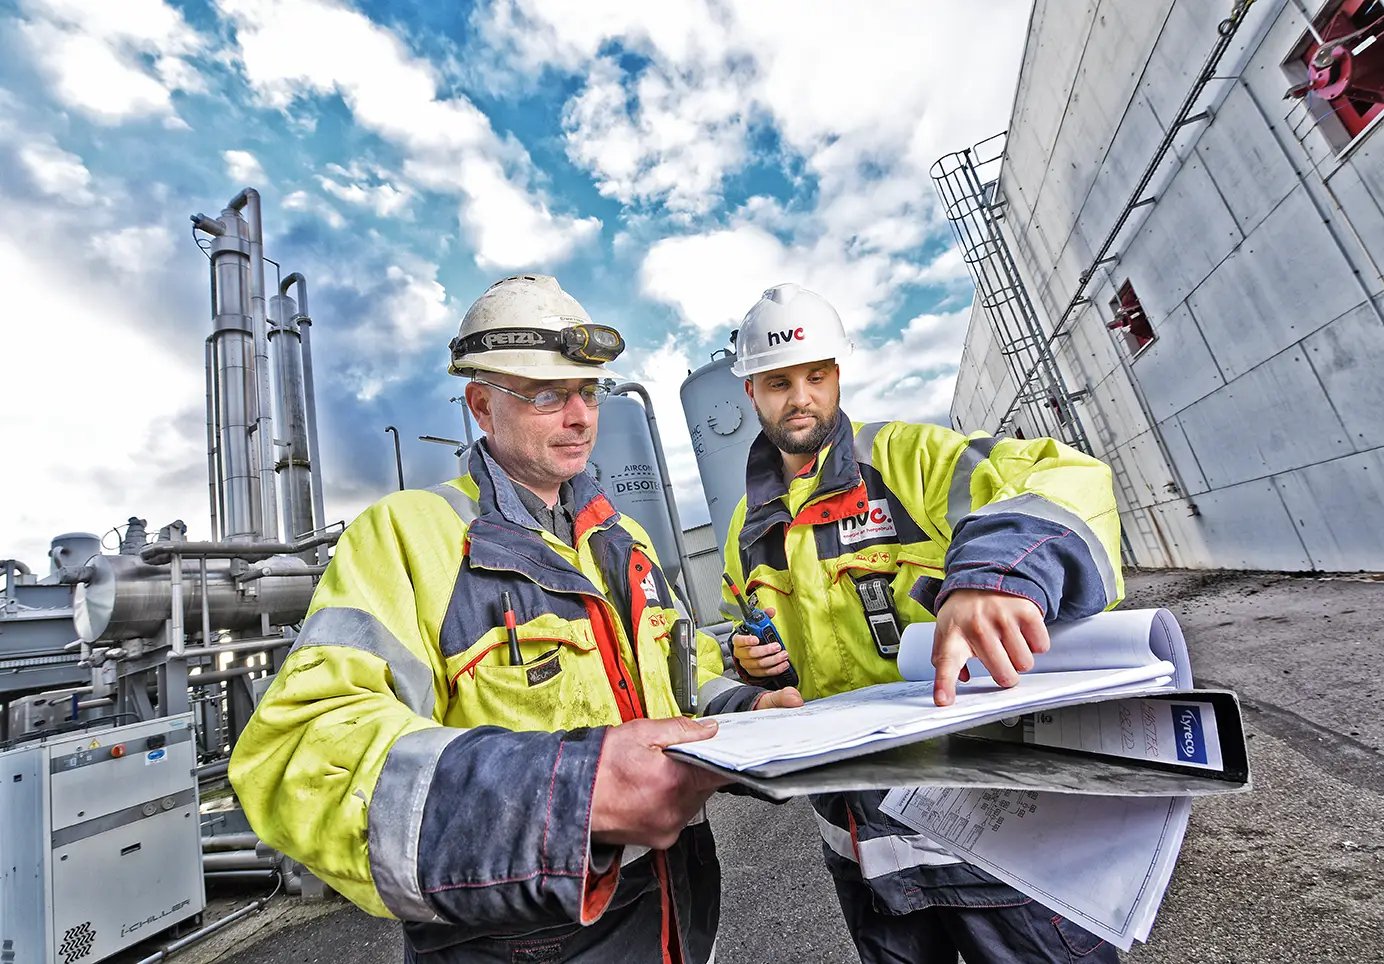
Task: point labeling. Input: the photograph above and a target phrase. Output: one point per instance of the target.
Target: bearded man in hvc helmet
(851, 531)
(468, 734)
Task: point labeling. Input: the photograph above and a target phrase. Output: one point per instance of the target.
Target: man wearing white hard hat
(468, 734)
(851, 531)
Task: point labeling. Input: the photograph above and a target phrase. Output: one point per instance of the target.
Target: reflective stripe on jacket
(402, 757)
(933, 511)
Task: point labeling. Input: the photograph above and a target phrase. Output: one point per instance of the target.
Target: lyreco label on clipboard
(1164, 731)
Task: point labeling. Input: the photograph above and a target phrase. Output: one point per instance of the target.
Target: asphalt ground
(1290, 872)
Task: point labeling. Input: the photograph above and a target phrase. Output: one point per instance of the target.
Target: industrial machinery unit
(174, 634)
(100, 844)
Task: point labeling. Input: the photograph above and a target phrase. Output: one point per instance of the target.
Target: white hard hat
(789, 325)
(528, 326)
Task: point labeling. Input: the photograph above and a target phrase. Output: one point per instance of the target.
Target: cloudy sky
(667, 161)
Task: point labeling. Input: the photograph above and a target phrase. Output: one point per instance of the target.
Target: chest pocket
(559, 685)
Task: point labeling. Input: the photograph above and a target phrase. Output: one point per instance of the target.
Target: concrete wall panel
(1240, 527)
(1183, 459)
(1177, 369)
(1244, 159)
(1339, 509)
(1189, 233)
(1274, 419)
(1346, 356)
(1285, 282)
(1355, 205)
(1125, 161)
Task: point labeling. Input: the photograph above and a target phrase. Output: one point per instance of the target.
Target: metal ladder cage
(968, 183)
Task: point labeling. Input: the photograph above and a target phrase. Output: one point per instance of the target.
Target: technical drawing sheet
(1103, 862)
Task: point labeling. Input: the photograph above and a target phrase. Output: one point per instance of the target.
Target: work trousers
(1019, 933)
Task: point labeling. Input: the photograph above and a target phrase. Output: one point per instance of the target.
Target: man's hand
(642, 795)
(759, 659)
(785, 698)
(1003, 632)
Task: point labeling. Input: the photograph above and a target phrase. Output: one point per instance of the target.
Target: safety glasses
(549, 400)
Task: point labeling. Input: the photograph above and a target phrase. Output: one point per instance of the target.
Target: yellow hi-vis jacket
(406, 760)
(912, 512)
(933, 510)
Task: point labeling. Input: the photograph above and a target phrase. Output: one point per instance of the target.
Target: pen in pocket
(515, 657)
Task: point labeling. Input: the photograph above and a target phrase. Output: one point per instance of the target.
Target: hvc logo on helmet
(785, 336)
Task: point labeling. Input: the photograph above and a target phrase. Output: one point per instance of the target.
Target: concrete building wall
(1247, 434)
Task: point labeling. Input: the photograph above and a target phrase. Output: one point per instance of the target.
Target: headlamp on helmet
(585, 343)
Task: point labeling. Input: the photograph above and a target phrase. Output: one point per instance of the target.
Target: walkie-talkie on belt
(682, 665)
(758, 624)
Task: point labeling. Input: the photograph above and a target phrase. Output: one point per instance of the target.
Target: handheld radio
(758, 624)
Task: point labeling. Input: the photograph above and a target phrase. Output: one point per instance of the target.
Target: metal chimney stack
(239, 423)
(294, 465)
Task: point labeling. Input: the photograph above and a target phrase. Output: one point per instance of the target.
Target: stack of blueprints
(1074, 786)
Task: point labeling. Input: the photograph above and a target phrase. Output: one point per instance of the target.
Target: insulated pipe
(634, 388)
(249, 200)
(237, 860)
(161, 553)
(228, 841)
(231, 409)
(234, 841)
(304, 320)
(209, 362)
(295, 468)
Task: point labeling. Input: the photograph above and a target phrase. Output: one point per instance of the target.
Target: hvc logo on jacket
(875, 522)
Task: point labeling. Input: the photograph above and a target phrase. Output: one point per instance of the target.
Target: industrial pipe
(237, 860)
(635, 388)
(294, 469)
(262, 645)
(228, 841)
(304, 322)
(162, 553)
(234, 841)
(398, 458)
(205, 932)
(214, 676)
(249, 200)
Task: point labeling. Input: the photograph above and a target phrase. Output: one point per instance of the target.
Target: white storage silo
(722, 423)
(626, 464)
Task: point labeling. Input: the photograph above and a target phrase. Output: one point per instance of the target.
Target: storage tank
(625, 463)
(722, 423)
(72, 549)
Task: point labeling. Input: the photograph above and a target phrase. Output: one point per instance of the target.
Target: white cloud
(860, 104)
(712, 279)
(244, 168)
(408, 312)
(57, 172)
(917, 368)
(662, 137)
(512, 229)
(303, 201)
(384, 199)
(96, 448)
(448, 143)
(113, 61)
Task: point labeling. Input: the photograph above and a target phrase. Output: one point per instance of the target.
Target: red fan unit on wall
(1346, 69)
